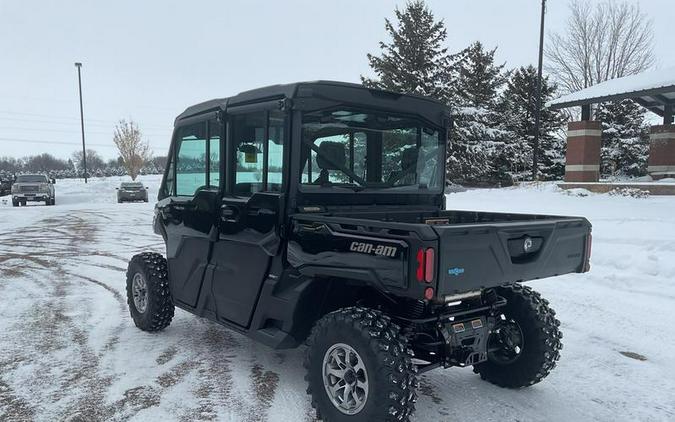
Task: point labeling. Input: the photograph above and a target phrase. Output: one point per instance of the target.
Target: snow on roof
(650, 89)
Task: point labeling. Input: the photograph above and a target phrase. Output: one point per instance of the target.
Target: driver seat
(331, 156)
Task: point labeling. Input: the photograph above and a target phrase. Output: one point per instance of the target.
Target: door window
(191, 163)
(258, 140)
(275, 151)
(215, 131)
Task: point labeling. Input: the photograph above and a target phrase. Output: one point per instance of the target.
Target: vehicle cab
(244, 171)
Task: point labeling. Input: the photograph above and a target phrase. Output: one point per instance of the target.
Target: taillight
(425, 265)
(429, 265)
(420, 265)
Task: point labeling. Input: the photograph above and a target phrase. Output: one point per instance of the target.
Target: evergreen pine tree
(414, 62)
(625, 143)
(519, 105)
(479, 149)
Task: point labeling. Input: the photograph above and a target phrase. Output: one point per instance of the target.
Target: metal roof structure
(653, 90)
(328, 91)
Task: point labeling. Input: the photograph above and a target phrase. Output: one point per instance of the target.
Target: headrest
(331, 155)
(409, 158)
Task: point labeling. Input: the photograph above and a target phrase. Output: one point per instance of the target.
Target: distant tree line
(134, 158)
(494, 107)
(73, 167)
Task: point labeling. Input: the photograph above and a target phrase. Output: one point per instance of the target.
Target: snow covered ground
(69, 350)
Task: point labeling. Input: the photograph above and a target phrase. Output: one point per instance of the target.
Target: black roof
(328, 92)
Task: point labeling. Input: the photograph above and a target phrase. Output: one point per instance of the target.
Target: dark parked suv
(315, 213)
(132, 191)
(5, 185)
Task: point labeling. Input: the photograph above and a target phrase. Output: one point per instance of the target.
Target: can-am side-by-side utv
(315, 213)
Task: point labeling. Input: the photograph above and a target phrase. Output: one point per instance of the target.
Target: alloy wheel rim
(140, 293)
(345, 378)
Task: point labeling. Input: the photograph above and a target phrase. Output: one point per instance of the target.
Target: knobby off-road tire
(383, 353)
(541, 343)
(158, 310)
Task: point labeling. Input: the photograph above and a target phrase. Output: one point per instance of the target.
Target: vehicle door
(189, 212)
(250, 210)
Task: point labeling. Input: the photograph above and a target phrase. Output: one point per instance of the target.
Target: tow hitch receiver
(467, 340)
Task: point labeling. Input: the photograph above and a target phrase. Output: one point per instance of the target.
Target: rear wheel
(15, 203)
(525, 344)
(148, 293)
(359, 368)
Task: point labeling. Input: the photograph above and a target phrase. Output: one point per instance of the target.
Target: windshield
(365, 150)
(29, 178)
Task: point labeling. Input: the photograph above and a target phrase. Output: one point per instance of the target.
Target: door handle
(229, 214)
(261, 212)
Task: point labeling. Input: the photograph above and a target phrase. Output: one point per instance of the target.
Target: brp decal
(372, 249)
(455, 271)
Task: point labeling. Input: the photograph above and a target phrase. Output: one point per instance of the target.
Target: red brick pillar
(582, 161)
(662, 151)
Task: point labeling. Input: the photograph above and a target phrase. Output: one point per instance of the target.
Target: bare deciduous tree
(605, 41)
(133, 150)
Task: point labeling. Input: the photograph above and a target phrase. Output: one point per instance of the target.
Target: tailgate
(475, 256)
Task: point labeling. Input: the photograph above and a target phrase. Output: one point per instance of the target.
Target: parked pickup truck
(33, 188)
(319, 216)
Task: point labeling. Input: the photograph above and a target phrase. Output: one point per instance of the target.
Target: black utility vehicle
(314, 212)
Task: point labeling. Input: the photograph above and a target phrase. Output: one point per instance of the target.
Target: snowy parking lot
(69, 350)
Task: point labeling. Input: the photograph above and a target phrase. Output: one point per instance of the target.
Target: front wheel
(148, 293)
(525, 344)
(359, 368)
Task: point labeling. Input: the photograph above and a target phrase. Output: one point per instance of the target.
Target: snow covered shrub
(578, 192)
(632, 192)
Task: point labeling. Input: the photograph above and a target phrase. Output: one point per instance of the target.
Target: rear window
(29, 178)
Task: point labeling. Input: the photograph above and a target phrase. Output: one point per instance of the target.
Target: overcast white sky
(148, 60)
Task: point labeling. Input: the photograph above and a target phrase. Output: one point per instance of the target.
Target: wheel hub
(506, 342)
(345, 378)
(140, 293)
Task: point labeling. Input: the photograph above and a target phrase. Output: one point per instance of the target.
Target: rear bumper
(128, 197)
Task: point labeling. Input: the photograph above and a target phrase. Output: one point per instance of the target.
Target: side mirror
(146, 188)
(53, 181)
(117, 188)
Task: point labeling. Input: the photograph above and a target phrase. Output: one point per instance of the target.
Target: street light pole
(84, 150)
(537, 114)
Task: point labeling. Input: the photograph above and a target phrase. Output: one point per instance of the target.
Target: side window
(258, 161)
(169, 185)
(215, 130)
(191, 160)
(275, 151)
